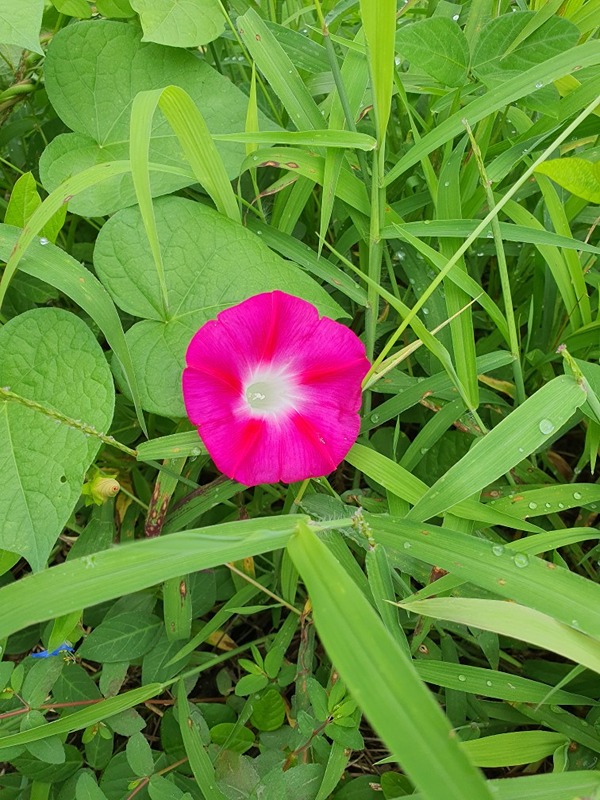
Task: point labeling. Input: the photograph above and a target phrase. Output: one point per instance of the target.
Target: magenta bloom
(274, 389)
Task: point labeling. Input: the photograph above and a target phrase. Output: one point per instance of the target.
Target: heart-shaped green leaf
(210, 263)
(188, 23)
(51, 357)
(93, 71)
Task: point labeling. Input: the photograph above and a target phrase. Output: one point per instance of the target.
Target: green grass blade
(404, 484)
(525, 579)
(516, 622)
(406, 398)
(536, 545)
(550, 786)
(517, 436)
(304, 256)
(450, 228)
(584, 55)
(379, 23)
(557, 213)
(82, 719)
(132, 567)
(55, 200)
(176, 445)
(312, 166)
(280, 71)
(381, 678)
(509, 749)
(499, 685)
(460, 277)
(198, 758)
(319, 138)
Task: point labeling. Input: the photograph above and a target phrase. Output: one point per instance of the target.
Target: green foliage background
(425, 621)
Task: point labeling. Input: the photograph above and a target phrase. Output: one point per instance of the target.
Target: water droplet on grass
(43, 240)
(532, 506)
(546, 426)
(497, 549)
(462, 678)
(521, 560)
(577, 495)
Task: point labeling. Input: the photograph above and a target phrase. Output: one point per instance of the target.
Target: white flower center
(270, 392)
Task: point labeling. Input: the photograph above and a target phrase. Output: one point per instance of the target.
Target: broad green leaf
(515, 621)
(437, 46)
(46, 774)
(203, 273)
(381, 678)
(117, 9)
(233, 737)
(509, 749)
(521, 433)
(49, 750)
(43, 461)
(24, 200)
(87, 788)
(73, 8)
(576, 175)
(122, 637)
(20, 23)
(268, 711)
(493, 56)
(110, 57)
(187, 23)
(132, 567)
(139, 755)
(59, 269)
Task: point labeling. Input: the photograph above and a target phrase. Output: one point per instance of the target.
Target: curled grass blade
(516, 622)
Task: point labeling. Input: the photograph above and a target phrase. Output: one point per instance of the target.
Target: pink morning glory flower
(274, 389)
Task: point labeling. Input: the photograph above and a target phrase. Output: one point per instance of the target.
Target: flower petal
(270, 327)
(258, 450)
(212, 384)
(332, 366)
